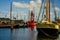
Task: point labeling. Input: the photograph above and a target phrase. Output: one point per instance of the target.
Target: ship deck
(53, 26)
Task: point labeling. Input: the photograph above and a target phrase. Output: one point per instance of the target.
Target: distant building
(4, 20)
(7, 21)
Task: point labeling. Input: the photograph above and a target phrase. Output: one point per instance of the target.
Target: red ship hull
(31, 24)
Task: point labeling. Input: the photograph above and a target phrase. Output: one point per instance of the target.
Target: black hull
(5, 26)
(17, 26)
(47, 32)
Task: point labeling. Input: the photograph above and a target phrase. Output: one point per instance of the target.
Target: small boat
(22, 24)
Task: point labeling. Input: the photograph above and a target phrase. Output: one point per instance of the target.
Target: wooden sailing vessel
(46, 28)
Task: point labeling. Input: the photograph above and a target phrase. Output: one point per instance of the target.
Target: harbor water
(21, 34)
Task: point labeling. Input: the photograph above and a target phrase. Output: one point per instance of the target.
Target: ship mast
(11, 21)
(10, 11)
(48, 10)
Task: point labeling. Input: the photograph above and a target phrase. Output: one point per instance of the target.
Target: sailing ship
(46, 28)
(16, 23)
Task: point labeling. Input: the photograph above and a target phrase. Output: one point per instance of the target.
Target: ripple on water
(20, 34)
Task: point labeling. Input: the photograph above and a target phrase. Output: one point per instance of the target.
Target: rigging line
(59, 12)
(40, 11)
(43, 12)
(42, 15)
(54, 9)
(17, 14)
(58, 15)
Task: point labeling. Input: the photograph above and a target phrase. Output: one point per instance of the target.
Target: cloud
(2, 15)
(39, 1)
(20, 5)
(34, 5)
(52, 16)
(28, 6)
(56, 8)
(12, 12)
(20, 15)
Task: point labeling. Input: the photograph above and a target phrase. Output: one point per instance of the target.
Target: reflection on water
(20, 34)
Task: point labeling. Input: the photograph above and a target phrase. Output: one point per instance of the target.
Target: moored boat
(46, 28)
(21, 24)
(31, 23)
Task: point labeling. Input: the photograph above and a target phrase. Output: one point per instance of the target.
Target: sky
(21, 8)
